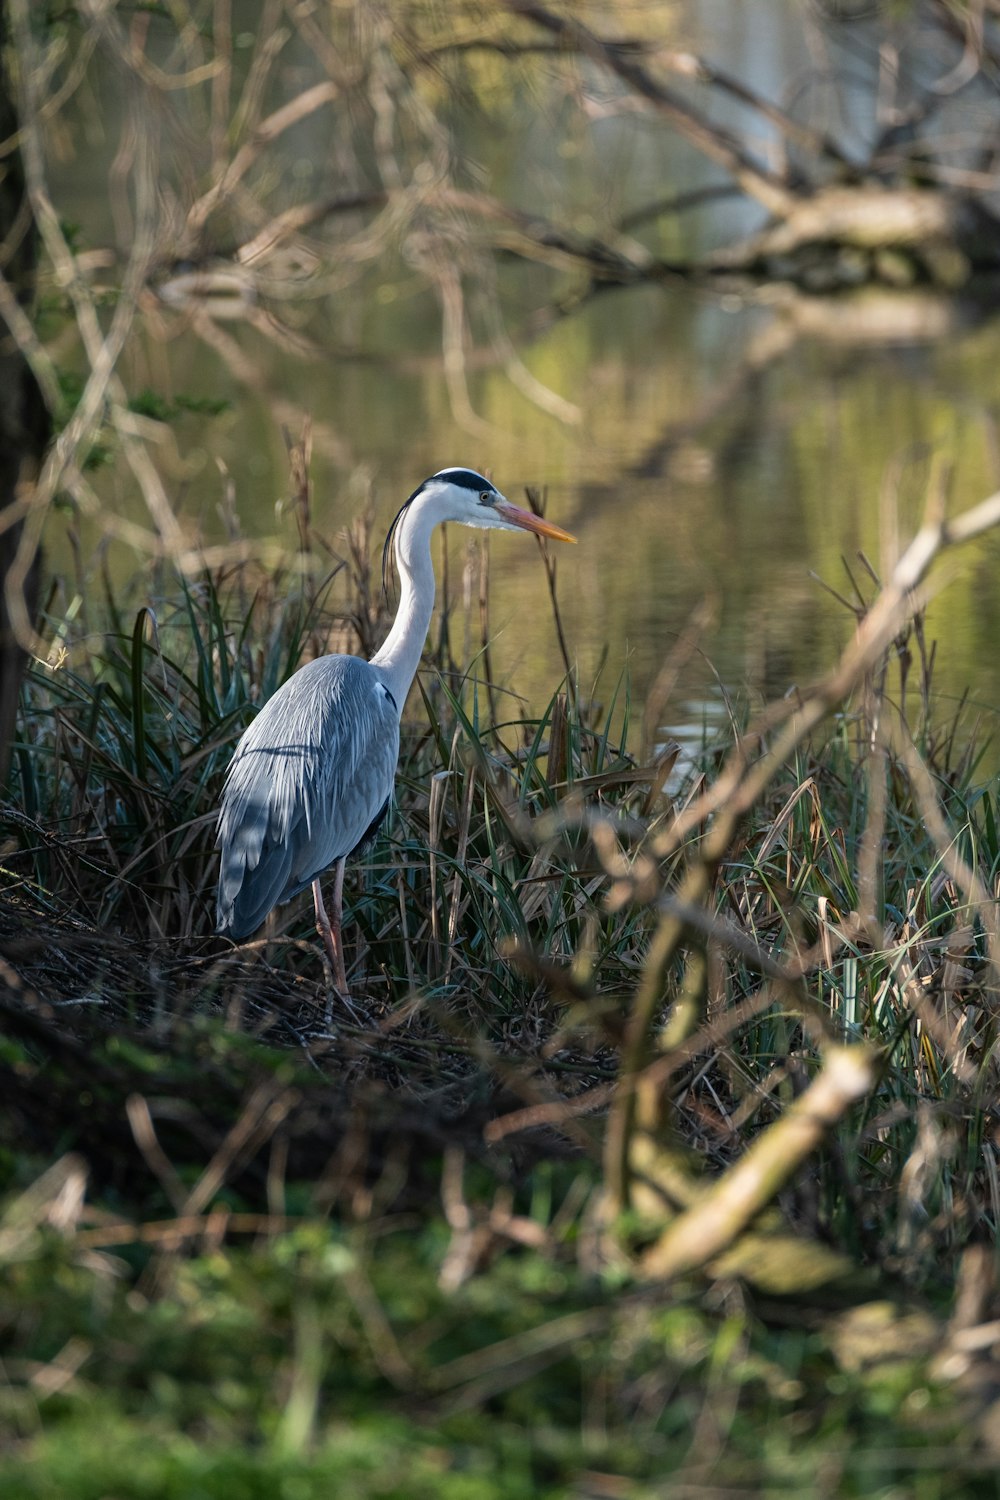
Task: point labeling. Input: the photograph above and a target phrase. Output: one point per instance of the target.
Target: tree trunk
(24, 420)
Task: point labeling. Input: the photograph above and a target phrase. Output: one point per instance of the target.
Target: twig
(102, 352)
(875, 632)
(171, 1233)
(979, 898)
(264, 1111)
(690, 65)
(267, 131)
(537, 500)
(144, 1132)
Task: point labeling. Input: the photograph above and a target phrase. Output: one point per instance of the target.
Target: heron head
(468, 497)
(463, 495)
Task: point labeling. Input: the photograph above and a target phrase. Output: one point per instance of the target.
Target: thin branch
(717, 144)
(978, 897)
(268, 130)
(875, 632)
(690, 65)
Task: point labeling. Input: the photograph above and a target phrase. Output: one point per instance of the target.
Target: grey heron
(312, 775)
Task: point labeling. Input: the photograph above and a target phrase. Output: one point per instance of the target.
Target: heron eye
(486, 497)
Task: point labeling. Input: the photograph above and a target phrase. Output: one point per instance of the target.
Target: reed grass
(125, 745)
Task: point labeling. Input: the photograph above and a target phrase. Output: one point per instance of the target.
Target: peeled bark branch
(713, 1223)
(895, 232)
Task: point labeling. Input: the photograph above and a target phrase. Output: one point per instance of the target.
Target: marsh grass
(126, 740)
(405, 1210)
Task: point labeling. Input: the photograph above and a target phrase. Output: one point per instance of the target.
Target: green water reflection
(826, 451)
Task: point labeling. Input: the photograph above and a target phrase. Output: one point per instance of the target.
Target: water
(715, 451)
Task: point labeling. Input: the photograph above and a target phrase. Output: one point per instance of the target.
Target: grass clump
(127, 737)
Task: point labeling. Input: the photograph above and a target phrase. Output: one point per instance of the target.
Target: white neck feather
(399, 656)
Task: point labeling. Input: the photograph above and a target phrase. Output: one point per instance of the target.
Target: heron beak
(528, 521)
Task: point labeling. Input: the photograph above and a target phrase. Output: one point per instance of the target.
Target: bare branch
(717, 144)
(690, 65)
(281, 120)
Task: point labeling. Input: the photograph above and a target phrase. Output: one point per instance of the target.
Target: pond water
(707, 447)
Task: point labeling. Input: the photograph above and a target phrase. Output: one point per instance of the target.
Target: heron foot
(343, 999)
(329, 928)
(333, 961)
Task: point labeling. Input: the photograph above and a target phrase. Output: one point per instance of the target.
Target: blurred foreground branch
(639, 1135)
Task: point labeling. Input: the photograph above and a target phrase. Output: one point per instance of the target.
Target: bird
(312, 776)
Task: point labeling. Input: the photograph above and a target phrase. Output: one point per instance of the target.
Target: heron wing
(310, 776)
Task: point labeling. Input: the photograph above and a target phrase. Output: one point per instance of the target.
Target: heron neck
(399, 656)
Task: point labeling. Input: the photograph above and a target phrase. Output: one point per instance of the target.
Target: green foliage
(146, 403)
(323, 1358)
(149, 403)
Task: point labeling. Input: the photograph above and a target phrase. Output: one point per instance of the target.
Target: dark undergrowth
(254, 1243)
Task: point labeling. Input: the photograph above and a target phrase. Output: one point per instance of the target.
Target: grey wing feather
(310, 776)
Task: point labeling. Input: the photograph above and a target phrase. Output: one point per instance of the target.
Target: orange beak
(528, 521)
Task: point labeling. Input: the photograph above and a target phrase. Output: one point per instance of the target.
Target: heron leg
(328, 925)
